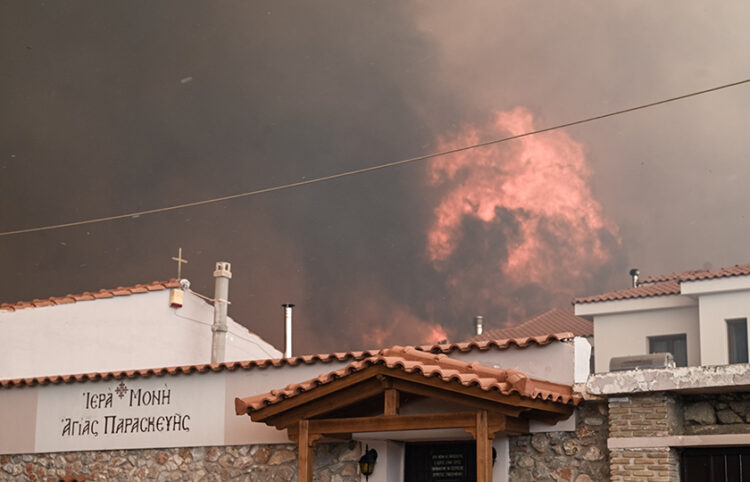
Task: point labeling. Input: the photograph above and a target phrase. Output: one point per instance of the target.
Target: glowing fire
(541, 182)
(379, 321)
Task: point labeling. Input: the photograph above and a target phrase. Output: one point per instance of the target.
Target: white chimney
(222, 273)
(478, 325)
(288, 329)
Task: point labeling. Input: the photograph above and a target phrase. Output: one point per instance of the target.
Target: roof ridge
(92, 295)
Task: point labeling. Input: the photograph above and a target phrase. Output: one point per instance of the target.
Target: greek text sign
(132, 413)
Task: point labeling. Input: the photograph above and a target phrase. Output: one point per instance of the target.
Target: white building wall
(556, 365)
(626, 333)
(120, 333)
(715, 310)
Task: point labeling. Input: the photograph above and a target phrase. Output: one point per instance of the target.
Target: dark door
(726, 464)
(440, 462)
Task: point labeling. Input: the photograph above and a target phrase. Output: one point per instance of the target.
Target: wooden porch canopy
(366, 396)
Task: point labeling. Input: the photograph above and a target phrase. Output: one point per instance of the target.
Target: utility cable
(378, 167)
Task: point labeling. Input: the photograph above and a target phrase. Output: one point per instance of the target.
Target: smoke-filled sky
(113, 107)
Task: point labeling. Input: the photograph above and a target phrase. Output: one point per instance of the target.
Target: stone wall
(579, 456)
(716, 413)
(253, 463)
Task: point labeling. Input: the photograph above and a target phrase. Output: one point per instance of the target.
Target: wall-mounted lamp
(367, 462)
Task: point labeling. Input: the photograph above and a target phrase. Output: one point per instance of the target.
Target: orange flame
(386, 322)
(542, 181)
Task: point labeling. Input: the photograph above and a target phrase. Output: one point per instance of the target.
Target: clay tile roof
(664, 288)
(499, 344)
(700, 275)
(556, 320)
(188, 369)
(89, 296)
(280, 362)
(429, 365)
(667, 284)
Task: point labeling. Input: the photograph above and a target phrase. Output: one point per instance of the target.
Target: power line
(281, 187)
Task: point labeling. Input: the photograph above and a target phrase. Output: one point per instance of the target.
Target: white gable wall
(715, 310)
(626, 333)
(120, 333)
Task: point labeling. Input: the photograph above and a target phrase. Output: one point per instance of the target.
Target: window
(674, 344)
(737, 336)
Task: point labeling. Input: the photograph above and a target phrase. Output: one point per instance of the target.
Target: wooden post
(391, 402)
(484, 448)
(304, 452)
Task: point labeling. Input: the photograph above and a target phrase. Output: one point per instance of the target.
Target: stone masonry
(716, 413)
(579, 456)
(646, 415)
(252, 463)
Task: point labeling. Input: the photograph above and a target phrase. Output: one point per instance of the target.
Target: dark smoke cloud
(113, 107)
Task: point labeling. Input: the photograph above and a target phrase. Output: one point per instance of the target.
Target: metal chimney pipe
(288, 329)
(478, 325)
(634, 274)
(222, 273)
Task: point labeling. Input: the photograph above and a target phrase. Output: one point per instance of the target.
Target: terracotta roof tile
(89, 296)
(667, 284)
(187, 369)
(279, 362)
(499, 344)
(664, 288)
(699, 275)
(430, 365)
(556, 320)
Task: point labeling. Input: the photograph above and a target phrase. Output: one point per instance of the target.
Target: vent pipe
(634, 274)
(478, 325)
(222, 273)
(288, 329)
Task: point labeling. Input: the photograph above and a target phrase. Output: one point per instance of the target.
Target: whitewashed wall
(120, 333)
(42, 417)
(715, 310)
(626, 333)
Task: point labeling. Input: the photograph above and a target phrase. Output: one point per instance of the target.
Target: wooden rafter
(378, 379)
(345, 397)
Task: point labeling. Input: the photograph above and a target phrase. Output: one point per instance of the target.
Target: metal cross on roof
(179, 263)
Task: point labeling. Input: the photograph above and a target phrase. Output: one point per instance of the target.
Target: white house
(698, 316)
(689, 423)
(125, 328)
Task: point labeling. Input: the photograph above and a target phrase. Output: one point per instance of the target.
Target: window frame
(669, 338)
(731, 356)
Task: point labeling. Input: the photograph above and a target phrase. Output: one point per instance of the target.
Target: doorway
(726, 464)
(440, 462)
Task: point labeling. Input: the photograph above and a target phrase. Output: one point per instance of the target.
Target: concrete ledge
(698, 379)
(723, 440)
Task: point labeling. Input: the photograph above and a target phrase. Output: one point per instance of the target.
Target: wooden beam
(387, 423)
(484, 448)
(329, 403)
(391, 404)
(450, 396)
(501, 424)
(305, 452)
(513, 399)
(319, 392)
(515, 425)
